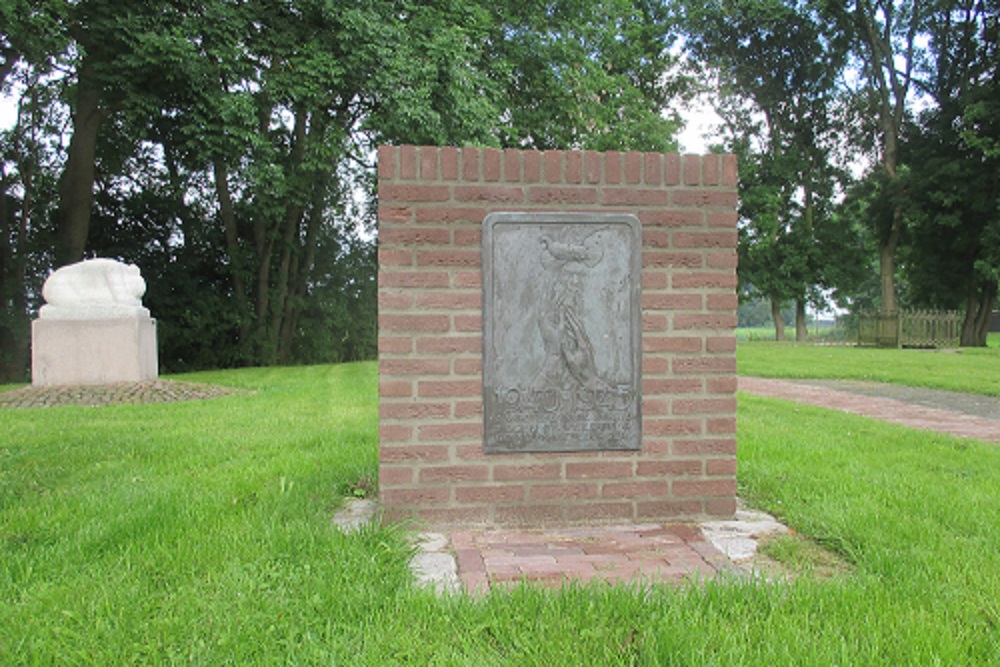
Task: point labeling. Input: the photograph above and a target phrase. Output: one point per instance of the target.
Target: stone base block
(66, 352)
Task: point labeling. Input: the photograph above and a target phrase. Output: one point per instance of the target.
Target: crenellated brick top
(432, 201)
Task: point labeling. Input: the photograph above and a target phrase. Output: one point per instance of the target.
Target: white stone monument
(93, 328)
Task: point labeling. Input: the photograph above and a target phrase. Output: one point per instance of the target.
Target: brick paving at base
(119, 393)
(648, 553)
(886, 409)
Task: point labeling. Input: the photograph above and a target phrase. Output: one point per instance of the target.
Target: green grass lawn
(972, 370)
(200, 533)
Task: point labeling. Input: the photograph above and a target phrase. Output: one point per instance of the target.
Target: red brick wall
(432, 202)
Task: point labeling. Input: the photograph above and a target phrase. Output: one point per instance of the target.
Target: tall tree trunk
(236, 265)
(979, 303)
(801, 331)
(779, 321)
(76, 186)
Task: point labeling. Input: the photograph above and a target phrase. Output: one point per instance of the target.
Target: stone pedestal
(93, 351)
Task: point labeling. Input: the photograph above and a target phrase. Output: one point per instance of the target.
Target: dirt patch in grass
(793, 555)
(120, 393)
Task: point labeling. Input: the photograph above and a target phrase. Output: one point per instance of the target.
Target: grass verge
(200, 533)
(970, 370)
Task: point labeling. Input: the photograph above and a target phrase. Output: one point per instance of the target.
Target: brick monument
(556, 338)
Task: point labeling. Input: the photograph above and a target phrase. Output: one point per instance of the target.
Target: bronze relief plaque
(562, 332)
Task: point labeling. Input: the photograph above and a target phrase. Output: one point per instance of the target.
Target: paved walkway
(943, 411)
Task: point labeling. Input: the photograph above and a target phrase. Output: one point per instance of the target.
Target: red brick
(388, 433)
(654, 323)
(710, 165)
(386, 162)
(413, 410)
(389, 257)
(653, 386)
(390, 322)
(462, 257)
(721, 425)
(721, 507)
(491, 164)
(711, 487)
(671, 426)
(634, 197)
(726, 219)
(670, 344)
(407, 162)
(449, 388)
(701, 406)
(671, 218)
(563, 491)
(613, 167)
(532, 166)
(705, 239)
(721, 385)
(703, 280)
(450, 431)
(635, 489)
(413, 236)
(449, 300)
(655, 364)
(445, 214)
(685, 365)
(527, 471)
(633, 167)
(468, 366)
(721, 302)
(395, 388)
(669, 468)
(449, 163)
(529, 515)
(489, 193)
(671, 301)
(672, 169)
(720, 466)
(730, 172)
(721, 344)
(389, 300)
(489, 494)
(414, 366)
(654, 280)
(574, 166)
(395, 476)
(449, 345)
(599, 470)
(512, 165)
(397, 278)
(600, 511)
(683, 321)
(418, 496)
(412, 453)
(722, 260)
(415, 192)
(470, 237)
(429, 163)
(710, 446)
(655, 447)
(395, 344)
(667, 509)
(592, 164)
(465, 409)
(553, 166)
(438, 474)
(467, 279)
(394, 213)
(654, 168)
(701, 198)
(660, 258)
(468, 323)
(470, 164)
(563, 195)
(692, 170)
(655, 238)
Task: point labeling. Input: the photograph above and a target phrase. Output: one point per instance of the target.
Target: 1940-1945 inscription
(561, 332)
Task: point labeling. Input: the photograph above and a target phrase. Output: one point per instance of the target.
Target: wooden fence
(911, 328)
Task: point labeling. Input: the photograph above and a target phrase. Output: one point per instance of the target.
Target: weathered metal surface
(562, 329)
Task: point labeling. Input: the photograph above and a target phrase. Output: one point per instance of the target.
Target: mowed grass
(971, 370)
(200, 533)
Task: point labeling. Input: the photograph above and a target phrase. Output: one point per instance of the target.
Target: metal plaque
(562, 332)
